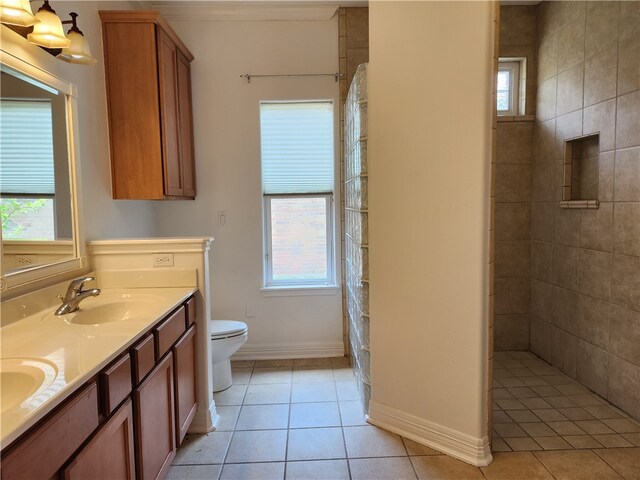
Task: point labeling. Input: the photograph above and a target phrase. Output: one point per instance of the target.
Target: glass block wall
(356, 229)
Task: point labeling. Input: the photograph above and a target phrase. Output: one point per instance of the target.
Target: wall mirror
(38, 201)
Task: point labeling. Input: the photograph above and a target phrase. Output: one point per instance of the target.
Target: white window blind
(26, 147)
(297, 147)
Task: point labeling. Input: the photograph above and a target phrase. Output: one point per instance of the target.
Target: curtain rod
(336, 75)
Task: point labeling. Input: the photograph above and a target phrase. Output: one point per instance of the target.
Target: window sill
(299, 291)
(516, 118)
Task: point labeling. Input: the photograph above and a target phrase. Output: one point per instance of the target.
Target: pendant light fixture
(16, 12)
(48, 31)
(78, 51)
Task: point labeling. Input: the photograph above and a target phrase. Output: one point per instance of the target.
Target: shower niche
(581, 172)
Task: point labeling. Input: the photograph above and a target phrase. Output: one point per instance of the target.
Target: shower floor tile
(553, 411)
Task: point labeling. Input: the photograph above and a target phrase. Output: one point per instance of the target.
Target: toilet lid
(227, 328)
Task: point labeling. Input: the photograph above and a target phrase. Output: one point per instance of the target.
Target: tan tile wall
(585, 264)
(512, 254)
(353, 41)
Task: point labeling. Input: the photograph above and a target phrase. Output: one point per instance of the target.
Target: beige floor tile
(500, 416)
(546, 391)
(316, 444)
(522, 416)
(522, 444)
(572, 389)
(576, 413)
(561, 401)
(370, 441)
(257, 446)
(582, 441)
(269, 393)
(278, 362)
(500, 393)
(231, 396)
(593, 427)
(603, 412)
(588, 400)
(253, 471)
(347, 391)
(351, 413)
(308, 415)
(550, 415)
(516, 466)
(270, 375)
(194, 472)
(313, 374)
(512, 382)
(538, 429)
(522, 392)
(227, 417)
(312, 362)
(622, 425)
(557, 379)
(534, 381)
(613, 441)
(577, 465)
(242, 363)
(199, 449)
(633, 438)
(510, 404)
(552, 443)
(566, 428)
(343, 374)
(443, 467)
(536, 403)
(263, 417)
(313, 392)
(382, 468)
(625, 461)
(241, 376)
(506, 430)
(318, 470)
(499, 445)
(415, 448)
(340, 362)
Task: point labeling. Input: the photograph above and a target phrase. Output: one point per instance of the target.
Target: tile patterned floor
(302, 420)
(536, 407)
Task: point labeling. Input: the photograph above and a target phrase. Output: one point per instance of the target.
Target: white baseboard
(475, 451)
(275, 351)
(205, 419)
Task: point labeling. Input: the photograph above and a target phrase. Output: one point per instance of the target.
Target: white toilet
(227, 336)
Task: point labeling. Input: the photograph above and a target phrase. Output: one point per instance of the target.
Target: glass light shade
(17, 12)
(48, 32)
(78, 51)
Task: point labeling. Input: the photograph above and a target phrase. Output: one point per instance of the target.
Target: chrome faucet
(75, 294)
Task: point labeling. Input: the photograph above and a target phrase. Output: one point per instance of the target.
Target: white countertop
(77, 351)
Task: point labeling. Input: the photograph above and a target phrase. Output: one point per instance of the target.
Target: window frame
(512, 66)
(268, 280)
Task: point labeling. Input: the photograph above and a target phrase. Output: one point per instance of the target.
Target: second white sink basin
(21, 378)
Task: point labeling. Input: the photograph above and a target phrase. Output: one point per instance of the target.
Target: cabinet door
(169, 114)
(186, 126)
(155, 421)
(110, 452)
(184, 354)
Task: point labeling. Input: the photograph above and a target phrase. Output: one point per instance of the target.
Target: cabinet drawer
(115, 383)
(144, 358)
(191, 311)
(169, 331)
(45, 450)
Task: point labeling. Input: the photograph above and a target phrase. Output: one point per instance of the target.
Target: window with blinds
(27, 181)
(297, 147)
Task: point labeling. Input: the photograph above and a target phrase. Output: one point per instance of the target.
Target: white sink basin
(22, 378)
(111, 308)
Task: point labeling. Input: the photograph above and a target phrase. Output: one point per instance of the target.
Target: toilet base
(221, 372)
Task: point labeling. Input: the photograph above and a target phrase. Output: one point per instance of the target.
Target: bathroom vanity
(118, 391)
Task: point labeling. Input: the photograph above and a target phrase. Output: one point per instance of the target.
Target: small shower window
(510, 86)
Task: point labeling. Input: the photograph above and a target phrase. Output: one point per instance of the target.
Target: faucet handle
(77, 283)
(60, 297)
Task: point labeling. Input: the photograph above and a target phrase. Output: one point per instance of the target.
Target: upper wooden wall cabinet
(148, 78)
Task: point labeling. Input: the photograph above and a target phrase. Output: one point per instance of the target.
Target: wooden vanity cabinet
(154, 411)
(186, 393)
(148, 78)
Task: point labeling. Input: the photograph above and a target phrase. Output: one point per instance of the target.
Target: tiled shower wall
(353, 40)
(512, 248)
(585, 264)
(357, 230)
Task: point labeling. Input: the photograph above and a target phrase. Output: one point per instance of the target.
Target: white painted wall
(430, 83)
(102, 216)
(227, 147)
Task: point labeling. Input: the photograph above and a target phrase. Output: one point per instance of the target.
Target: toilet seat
(226, 329)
